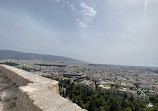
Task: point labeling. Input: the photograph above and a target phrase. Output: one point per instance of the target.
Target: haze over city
(105, 32)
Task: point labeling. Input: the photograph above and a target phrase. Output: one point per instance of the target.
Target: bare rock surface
(8, 94)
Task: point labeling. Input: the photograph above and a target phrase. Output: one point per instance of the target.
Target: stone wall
(36, 93)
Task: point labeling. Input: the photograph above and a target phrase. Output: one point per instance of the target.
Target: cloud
(88, 14)
(84, 13)
(87, 10)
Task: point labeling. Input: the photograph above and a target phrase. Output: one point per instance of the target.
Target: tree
(92, 106)
(93, 100)
(128, 109)
(79, 102)
(131, 98)
(115, 105)
(123, 104)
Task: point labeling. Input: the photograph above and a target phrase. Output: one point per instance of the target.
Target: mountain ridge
(17, 55)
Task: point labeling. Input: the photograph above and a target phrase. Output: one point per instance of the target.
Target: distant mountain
(9, 54)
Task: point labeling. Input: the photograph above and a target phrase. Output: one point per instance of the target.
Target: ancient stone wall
(36, 93)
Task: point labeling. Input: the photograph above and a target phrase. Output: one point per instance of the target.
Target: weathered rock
(8, 94)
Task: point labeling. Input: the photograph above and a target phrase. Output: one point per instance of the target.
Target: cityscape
(78, 55)
(136, 81)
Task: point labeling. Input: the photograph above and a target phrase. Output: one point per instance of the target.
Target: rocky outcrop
(36, 93)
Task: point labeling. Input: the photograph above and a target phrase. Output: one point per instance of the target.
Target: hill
(9, 54)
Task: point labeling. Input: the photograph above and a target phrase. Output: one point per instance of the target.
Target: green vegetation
(51, 65)
(154, 101)
(28, 69)
(93, 100)
(10, 63)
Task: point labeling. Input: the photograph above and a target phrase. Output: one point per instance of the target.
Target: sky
(123, 32)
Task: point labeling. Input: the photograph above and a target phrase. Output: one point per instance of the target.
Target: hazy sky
(96, 31)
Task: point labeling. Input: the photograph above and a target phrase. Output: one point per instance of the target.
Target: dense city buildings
(123, 80)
